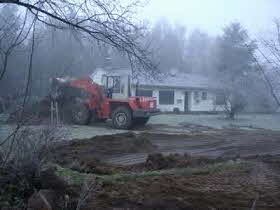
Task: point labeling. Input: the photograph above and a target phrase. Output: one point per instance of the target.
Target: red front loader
(92, 102)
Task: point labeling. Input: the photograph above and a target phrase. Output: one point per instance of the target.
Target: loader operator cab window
(112, 84)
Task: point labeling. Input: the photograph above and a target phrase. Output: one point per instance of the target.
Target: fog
(139, 104)
(223, 41)
(213, 15)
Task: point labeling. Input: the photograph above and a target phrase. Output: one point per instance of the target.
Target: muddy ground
(202, 141)
(204, 169)
(184, 166)
(233, 186)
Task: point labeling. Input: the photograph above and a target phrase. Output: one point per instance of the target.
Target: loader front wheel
(122, 118)
(80, 114)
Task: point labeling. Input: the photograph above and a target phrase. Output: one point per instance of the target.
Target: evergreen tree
(235, 64)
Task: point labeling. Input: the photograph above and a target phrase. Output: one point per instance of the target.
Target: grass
(72, 177)
(209, 169)
(76, 178)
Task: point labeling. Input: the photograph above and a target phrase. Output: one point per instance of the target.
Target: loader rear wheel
(80, 114)
(122, 118)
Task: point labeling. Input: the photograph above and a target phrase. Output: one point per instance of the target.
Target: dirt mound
(40, 113)
(158, 161)
(86, 155)
(33, 114)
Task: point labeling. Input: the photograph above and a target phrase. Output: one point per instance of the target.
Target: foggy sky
(212, 15)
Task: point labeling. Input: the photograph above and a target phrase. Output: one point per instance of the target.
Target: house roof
(182, 80)
(174, 80)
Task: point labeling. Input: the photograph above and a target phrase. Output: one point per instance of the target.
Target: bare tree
(234, 102)
(23, 160)
(11, 36)
(105, 21)
(270, 54)
(90, 187)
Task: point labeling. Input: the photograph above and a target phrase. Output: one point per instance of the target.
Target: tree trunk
(232, 115)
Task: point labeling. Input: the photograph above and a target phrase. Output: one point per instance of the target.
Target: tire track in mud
(225, 142)
(170, 144)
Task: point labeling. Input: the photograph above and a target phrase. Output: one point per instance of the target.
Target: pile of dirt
(39, 113)
(86, 155)
(158, 161)
(33, 114)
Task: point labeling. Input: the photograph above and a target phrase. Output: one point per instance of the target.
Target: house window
(166, 97)
(147, 93)
(204, 96)
(220, 99)
(179, 101)
(196, 97)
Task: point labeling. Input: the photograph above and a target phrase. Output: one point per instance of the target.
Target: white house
(177, 91)
(184, 92)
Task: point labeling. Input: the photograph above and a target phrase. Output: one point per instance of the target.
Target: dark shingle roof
(182, 80)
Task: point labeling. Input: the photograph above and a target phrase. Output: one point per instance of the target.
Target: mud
(33, 114)
(88, 155)
(158, 169)
(228, 143)
(232, 185)
(217, 169)
(131, 148)
(40, 113)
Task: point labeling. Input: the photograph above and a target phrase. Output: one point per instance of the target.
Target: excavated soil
(133, 149)
(155, 171)
(214, 143)
(33, 114)
(204, 169)
(253, 183)
(88, 155)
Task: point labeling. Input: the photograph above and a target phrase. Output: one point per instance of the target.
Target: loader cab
(116, 86)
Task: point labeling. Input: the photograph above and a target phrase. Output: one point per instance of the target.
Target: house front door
(186, 101)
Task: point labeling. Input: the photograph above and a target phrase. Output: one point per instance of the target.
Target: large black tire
(122, 118)
(80, 114)
(140, 121)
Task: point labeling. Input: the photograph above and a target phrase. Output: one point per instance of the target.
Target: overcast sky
(212, 15)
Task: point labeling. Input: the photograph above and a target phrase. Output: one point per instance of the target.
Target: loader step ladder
(54, 113)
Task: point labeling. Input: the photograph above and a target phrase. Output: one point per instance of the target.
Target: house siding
(207, 105)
